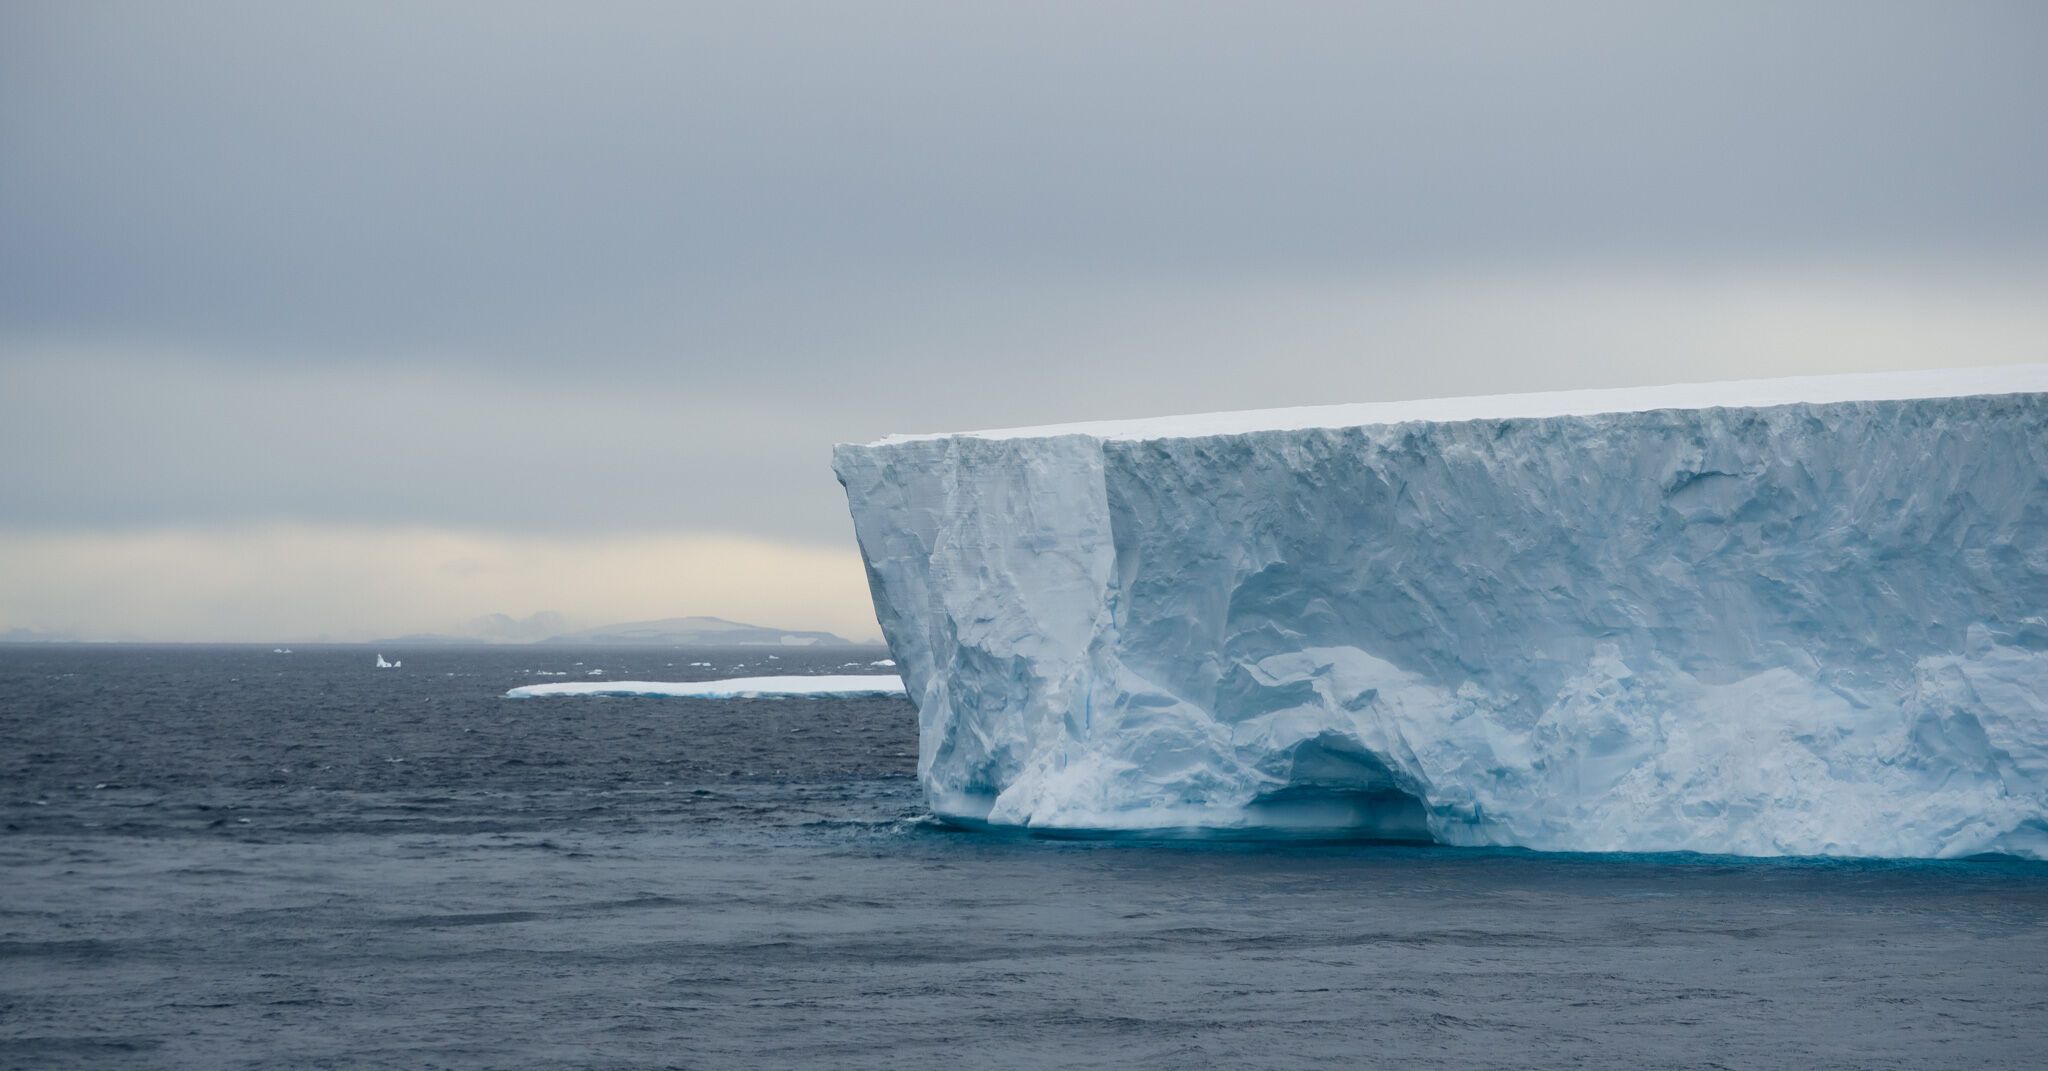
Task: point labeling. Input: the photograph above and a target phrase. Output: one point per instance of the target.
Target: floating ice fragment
(732, 688)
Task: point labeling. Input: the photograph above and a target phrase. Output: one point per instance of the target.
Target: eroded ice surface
(732, 688)
(1796, 616)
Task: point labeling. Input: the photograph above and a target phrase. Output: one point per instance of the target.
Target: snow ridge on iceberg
(1792, 617)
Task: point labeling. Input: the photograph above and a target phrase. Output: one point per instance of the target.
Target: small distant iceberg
(287, 650)
(381, 664)
(821, 686)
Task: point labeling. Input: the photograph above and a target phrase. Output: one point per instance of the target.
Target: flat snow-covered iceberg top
(732, 688)
(1728, 394)
(1791, 616)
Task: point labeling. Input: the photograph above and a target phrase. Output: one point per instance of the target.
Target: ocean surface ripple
(222, 857)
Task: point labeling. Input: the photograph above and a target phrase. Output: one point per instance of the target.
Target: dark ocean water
(224, 857)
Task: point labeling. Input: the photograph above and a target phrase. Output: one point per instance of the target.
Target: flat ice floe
(824, 685)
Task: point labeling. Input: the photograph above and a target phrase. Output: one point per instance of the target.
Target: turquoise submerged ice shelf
(1791, 617)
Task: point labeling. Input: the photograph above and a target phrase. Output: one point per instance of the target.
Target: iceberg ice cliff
(1782, 617)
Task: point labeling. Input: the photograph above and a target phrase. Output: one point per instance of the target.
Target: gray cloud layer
(353, 179)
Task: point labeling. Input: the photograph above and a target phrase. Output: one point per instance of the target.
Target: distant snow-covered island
(665, 632)
(35, 635)
(696, 632)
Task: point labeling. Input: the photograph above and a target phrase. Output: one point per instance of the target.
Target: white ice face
(1809, 627)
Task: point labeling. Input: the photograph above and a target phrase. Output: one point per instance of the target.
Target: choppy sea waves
(225, 857)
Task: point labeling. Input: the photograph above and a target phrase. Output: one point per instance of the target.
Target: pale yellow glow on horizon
(266, 583)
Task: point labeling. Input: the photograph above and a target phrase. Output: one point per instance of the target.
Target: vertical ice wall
(1814, 627)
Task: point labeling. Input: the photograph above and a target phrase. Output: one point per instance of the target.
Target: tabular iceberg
(1780, 617)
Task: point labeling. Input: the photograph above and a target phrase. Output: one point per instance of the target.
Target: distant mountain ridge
(696, 632)
(504, 628)
(546, 627)
(35, 635)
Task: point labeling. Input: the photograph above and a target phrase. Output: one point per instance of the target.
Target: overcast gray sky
(356, 319)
